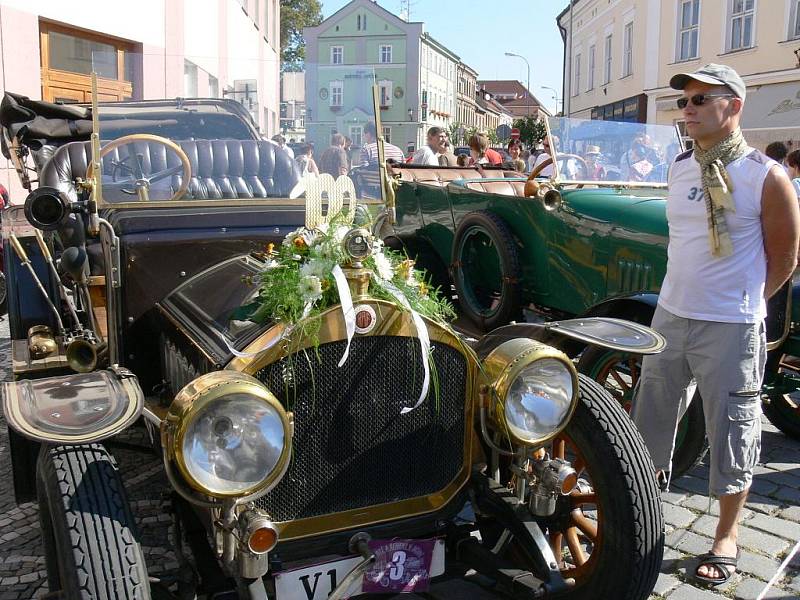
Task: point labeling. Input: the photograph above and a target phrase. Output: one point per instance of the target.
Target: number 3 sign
(333, 191)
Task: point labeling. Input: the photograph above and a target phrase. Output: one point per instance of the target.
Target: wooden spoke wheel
(619, 373)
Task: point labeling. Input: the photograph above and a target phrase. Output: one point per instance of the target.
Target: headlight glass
(539, 400)
(233, 444)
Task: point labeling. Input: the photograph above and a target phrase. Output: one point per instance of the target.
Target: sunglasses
(700, 99)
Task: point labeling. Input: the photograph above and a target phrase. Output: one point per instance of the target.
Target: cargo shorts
(726, 360)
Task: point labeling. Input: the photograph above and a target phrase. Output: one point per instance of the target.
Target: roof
(566, 9)
(372, 5)
(522, 97)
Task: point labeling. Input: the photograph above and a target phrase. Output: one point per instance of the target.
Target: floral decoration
(298, 282)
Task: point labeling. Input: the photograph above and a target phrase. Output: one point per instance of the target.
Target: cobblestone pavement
(769, 530)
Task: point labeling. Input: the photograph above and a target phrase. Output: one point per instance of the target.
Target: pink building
(143, 49)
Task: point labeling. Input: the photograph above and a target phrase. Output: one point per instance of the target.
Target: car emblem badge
(365, 318)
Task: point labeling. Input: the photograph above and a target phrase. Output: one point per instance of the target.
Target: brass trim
(392, 321)
(372, 515)
(506, 362)
(193, 398)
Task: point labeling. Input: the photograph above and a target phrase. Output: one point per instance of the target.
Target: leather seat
(220, 168)
(441, 176)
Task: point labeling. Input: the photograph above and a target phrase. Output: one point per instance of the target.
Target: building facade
(415, 73)
(622, 54)
(515, 98)
(147, 49)
(466, 99)
(293, 106)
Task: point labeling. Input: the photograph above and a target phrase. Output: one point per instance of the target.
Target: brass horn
(84, 355)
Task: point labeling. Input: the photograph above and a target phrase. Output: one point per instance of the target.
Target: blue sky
(481, 31)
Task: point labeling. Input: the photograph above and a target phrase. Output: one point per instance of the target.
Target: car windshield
(612, 151)
(200, 129)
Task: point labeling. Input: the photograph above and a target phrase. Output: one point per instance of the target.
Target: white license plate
(318, 581)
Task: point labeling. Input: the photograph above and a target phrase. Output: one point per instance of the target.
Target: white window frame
(794, 21)
(693, 28)
(741, 16)
(357, 135)
(627, 49)
(385, 54)
(607, 58)
(576, 89)
(387, 134)
(337, 50)
(590, 69)
(385, 92)
(337, 93)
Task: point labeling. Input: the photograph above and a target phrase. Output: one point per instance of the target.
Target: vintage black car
(350, 443)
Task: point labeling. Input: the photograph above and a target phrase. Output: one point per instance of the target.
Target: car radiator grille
(352, 447)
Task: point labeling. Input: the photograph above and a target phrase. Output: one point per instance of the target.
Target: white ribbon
(347, 309)
(269, 345)
(424, 341)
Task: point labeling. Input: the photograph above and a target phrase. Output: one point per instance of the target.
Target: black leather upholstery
(220, 168)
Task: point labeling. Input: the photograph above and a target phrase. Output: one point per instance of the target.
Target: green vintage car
(586, 236)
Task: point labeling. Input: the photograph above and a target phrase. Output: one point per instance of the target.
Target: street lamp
(555, 94)
(528, 89)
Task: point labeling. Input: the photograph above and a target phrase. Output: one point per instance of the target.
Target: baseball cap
(713, 74)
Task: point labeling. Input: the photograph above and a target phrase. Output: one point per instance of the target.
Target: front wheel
(92, 550)
(619, 373)
(783, 411)
(607, 534)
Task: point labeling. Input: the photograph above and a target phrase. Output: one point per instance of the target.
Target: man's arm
(780, 222)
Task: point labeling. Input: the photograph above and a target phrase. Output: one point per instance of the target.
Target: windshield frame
(557, 178)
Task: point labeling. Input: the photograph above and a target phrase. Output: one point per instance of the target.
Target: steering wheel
(532, 187)
(135, 182)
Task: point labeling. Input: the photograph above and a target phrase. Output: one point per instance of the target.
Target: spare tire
(486, 270)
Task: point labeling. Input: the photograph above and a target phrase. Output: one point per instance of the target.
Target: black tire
(486, 270)
(691, 444)
(783, 415)
(625, 560)
(92, 550)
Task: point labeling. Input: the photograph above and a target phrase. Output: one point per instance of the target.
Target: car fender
(638, 307)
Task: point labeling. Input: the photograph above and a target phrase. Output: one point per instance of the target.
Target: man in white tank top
(734, 228)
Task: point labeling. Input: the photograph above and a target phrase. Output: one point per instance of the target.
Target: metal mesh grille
(352, 447)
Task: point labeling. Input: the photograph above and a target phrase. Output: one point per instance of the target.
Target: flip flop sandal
(725, 564)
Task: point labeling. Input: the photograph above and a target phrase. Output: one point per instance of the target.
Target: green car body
(598, 244)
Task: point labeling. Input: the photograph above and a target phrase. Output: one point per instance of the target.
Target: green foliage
(531, 130)
(296, 14)
(298, 283)
(453, 130)
(492, 135)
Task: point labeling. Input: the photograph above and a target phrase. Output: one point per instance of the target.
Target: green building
(416, 76)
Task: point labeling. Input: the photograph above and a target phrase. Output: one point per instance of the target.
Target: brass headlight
(536, 387)
(228, 435)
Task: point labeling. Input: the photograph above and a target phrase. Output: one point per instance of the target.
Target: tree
(454, 130)
(531, 130)
(296, 14)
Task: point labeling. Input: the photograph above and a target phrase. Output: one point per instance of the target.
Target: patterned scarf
(718, 188)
